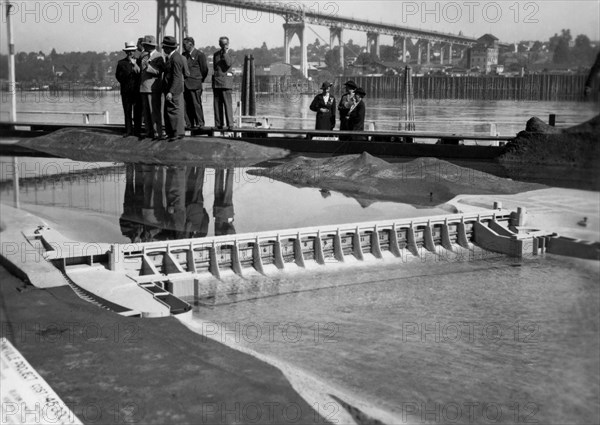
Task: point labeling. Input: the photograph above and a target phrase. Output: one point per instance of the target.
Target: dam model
(162, 278)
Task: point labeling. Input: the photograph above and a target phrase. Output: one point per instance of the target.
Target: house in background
(278, 69)
(484, 55)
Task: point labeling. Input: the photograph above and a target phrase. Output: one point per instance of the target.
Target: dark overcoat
(325, 120)
(356, 120)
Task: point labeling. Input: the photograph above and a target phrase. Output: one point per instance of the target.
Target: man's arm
(156, 66)
(228, 58)
(119, 73)
(314, 106)
(203, 65)
(332, 108)
(178, 73)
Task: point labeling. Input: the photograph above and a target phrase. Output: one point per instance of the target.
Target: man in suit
(222, 84)
(175, 73)
(138, 110)
(127, 75)
(192, 94)
(152, 65)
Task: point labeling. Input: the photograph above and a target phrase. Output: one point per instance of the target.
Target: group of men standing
(351, 108)
(150, 79)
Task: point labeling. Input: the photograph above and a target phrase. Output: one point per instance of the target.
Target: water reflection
(223, 205)
(164, 202)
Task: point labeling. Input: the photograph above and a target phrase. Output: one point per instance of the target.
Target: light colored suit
(152, 66)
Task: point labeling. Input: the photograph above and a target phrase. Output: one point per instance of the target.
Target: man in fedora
(324, 105)
(345, 105)
(192, 94)
(175, 73)
(138, 111)
(152, 65)
(127, 75)
(222, 84)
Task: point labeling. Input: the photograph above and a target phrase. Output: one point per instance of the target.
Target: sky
(105, 25)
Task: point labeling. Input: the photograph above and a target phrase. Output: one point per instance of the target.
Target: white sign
(25, 397)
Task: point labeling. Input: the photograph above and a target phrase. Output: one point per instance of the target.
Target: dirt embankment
(541, 144)
(424, 182)
(97, 145)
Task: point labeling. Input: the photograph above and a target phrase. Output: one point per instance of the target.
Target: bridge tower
(294, 25)
(336, 32)
(373, 42)
(175, 10)
(397, 40)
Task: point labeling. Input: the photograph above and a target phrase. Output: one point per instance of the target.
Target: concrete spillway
(164, 274)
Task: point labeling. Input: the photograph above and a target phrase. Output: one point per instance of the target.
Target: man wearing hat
(355, 120)
(128, 76)
(345, 105)
(175, 73)
(192, 94)
(222, 83)
(138, 111)
(152, 65)
(324, 105)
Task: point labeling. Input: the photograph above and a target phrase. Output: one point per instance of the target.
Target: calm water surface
(141, 197)
(431, 115)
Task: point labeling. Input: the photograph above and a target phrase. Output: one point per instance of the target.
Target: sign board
(25, 397)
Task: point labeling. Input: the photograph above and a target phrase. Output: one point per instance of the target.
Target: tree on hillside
(559, 46)
(389, 53)
(561, 52)
(365, 59)
(101, 72)
(583, 52)
(91, 72)
(332, 60)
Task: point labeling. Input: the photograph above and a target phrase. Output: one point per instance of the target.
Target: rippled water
(480, 342)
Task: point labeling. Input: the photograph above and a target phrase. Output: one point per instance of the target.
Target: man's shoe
(175, 138)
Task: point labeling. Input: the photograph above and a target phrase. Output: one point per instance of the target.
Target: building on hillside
(277, 69)
(484, 54)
